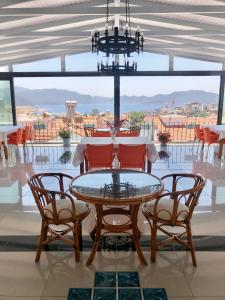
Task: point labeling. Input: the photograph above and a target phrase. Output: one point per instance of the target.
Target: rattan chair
(57, 207)
(174, 208)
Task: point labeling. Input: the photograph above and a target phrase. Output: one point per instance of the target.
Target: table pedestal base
(131, 225)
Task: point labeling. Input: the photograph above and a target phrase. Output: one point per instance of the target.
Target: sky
(136, 86)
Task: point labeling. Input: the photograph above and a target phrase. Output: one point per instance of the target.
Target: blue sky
(103, 86)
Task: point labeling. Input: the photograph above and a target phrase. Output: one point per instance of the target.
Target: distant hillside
(179, 98)
(52, 96)
(59, 96)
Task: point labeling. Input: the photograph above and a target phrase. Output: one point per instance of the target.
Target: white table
(220, 129)
(78, 158)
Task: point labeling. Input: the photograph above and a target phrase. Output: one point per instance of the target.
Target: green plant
(136, 117)
(64, 133)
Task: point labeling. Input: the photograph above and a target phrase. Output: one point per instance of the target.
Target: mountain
(178, 98)
(32, 97)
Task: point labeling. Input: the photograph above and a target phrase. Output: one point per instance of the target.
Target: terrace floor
(21, 278)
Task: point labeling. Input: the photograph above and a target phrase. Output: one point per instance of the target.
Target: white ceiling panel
(35, 29)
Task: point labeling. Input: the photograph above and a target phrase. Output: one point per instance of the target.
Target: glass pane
(45, 65)
(145, 61)
(82, 62)
(4, 69)
(170, 104)
(151, 61)
(5, 103)
(77, 102)
(187, 64)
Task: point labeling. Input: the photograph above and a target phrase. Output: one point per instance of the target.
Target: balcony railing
(47, 131)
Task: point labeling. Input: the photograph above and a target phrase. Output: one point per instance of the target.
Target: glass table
(116, 192)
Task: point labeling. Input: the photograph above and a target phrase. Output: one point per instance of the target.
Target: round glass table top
(116, 184)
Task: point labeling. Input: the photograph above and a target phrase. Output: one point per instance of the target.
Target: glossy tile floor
(21, 278)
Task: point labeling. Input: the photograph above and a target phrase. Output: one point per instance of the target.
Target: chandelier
(118, 41)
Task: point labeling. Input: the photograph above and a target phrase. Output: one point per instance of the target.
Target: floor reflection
(15, 195)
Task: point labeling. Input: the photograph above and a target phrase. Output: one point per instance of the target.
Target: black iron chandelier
(118, 41)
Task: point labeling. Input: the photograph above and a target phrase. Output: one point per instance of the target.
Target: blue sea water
(87, 108)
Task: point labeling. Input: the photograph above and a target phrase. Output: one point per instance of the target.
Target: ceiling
(37, 29)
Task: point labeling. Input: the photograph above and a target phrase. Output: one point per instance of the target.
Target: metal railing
(47, 130)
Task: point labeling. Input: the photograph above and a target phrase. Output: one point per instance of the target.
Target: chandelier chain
(107, 12)
(128, 8)
(126, 12)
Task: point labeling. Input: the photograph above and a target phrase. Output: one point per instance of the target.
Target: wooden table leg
(98, 230)
(220, 151)
(149, 167)
(136, 233)
(82, 168)
(5, 149)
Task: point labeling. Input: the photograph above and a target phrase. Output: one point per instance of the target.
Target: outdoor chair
(173, 210)
(15, 138)
(127, 133)
(61, 213)
(27, 135)
(210, 137)
(99, 156)
(199, 136)
(132, 156)
(99, 133)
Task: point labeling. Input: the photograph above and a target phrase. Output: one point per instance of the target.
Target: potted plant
(164, 137)
(65, 134)
(114, 128)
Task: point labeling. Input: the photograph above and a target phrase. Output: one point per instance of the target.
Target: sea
(60, 109)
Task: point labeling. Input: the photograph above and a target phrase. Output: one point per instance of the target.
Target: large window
(5, 103)
(187, 64)
(145, 61)
(151, 61)
(174, 104)
(45, 65)
(4, 69)
(51, 103)
(82, 62)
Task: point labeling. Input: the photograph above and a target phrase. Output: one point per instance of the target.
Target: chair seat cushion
(64, 208)
(165, 209)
